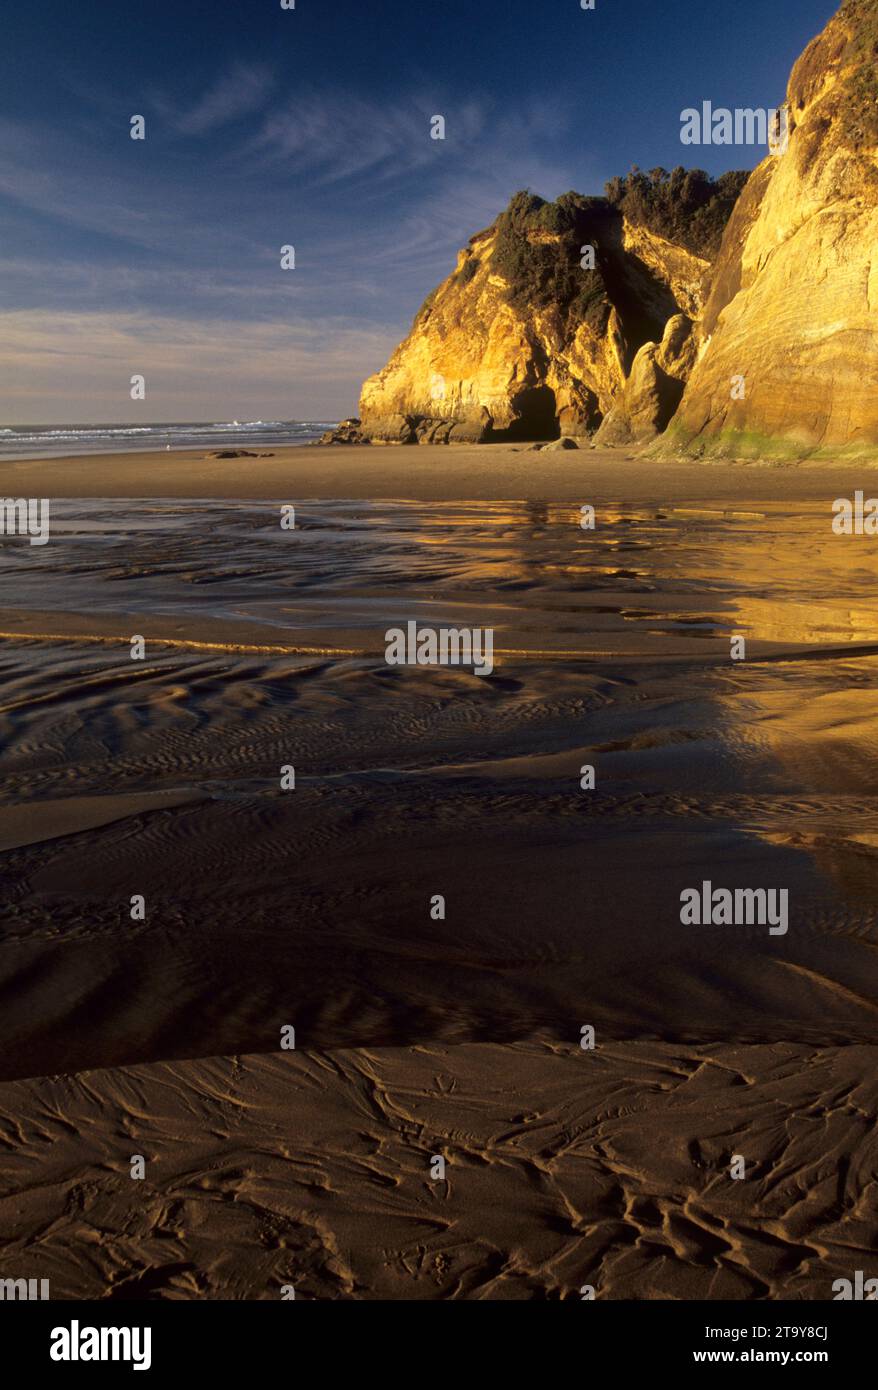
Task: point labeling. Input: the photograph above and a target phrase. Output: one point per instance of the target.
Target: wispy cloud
(169, 263)
(42, 170)
(82, 364)
(346, 137)
(120, 193)
(243, 89)
(53, 173)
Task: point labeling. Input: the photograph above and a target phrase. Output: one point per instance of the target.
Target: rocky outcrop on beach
(236, 454)
(535, 332)
(736, 317)
(788, 340)
(653, 389)
(345, 432)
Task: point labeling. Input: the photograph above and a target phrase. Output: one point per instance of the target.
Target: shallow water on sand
(312, 907)
(645, 581)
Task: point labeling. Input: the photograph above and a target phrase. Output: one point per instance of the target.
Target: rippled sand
(563, 1169)
(311, 907)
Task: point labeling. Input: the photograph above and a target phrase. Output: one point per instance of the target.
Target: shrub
(686, 206)
(540, 275)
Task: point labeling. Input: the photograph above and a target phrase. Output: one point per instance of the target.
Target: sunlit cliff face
(795, 286)
(492, 337)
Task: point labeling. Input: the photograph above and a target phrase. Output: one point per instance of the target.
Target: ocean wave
(34, 441)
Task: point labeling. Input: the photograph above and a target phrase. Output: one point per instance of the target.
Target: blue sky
(311, 127)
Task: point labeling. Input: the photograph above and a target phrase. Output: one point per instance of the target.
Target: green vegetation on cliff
(538, 245)
(543, 273)
(686, 206)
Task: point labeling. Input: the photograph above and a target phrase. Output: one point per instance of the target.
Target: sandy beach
(438, 664)
(453, 473)
(563, 1170)
(309, 907)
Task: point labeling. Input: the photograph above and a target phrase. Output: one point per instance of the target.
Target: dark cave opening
(537, 417)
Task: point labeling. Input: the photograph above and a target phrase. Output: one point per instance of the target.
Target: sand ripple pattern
(563, 1169)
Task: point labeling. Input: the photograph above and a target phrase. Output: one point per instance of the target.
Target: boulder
(391, 429)
(345, 432)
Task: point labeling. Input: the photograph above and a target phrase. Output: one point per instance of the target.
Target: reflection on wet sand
(264, 907)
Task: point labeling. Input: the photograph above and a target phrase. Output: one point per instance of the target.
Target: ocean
(54, 441)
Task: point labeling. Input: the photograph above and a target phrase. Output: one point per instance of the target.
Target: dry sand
(421, 472)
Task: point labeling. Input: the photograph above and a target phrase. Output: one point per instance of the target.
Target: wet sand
(311, 907)
(563, 1169)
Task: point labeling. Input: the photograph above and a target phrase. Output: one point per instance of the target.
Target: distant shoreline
(52, 457)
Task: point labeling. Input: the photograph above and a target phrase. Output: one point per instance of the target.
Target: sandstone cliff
(793, 308)
(740, 325)
(532, 336)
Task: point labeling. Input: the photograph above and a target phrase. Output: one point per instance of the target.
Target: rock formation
(653, 389)
(535, 332)
(345, 432)
(740, 323)
(793, 309)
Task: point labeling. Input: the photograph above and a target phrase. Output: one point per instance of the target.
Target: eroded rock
(534, 334)
(788, 342)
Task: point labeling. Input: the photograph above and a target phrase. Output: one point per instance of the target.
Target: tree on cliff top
(537, 275)
(686, 206)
